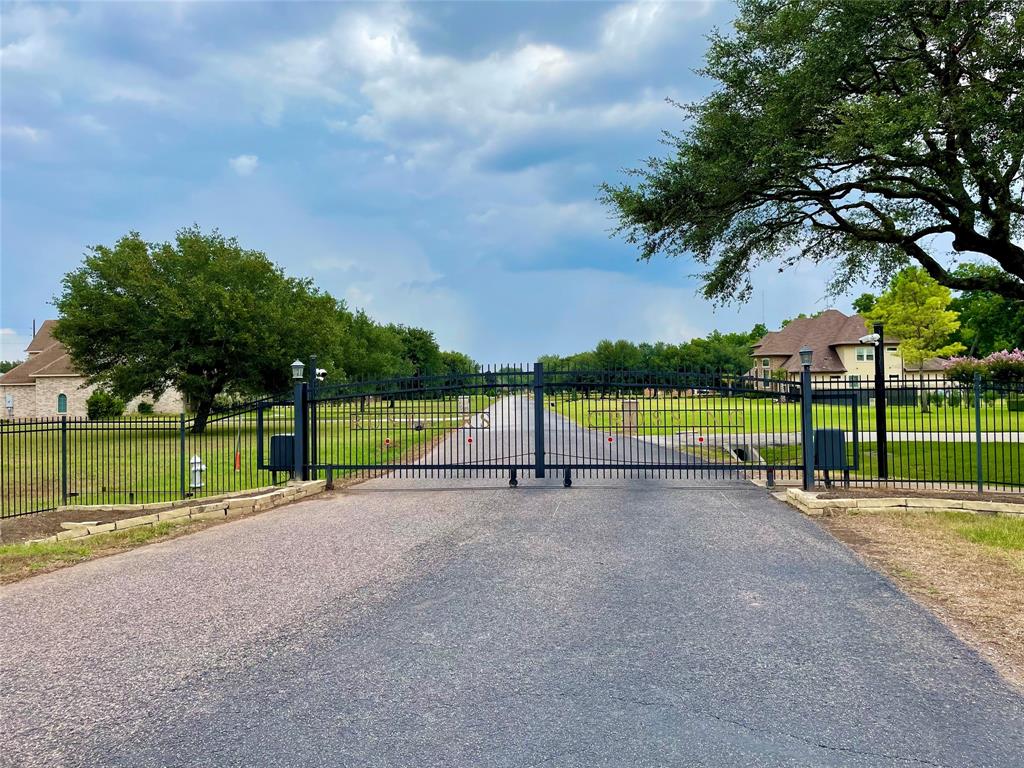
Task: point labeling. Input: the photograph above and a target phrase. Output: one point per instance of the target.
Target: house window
(62, 403)
(865, 353)
(835, 378)
(766, 363)
(891, 350)
(855, 381)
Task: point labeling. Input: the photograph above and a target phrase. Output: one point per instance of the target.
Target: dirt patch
(976, 589)
(912, 493)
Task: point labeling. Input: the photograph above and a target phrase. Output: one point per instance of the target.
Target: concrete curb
(809, 503)
(193, 509)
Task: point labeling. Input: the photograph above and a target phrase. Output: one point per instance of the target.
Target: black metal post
(881, 429)
(807, 427)
(184, 470)
(311, 450)
(538, 420)
(978, 453)
(64, 460)
(299, 470)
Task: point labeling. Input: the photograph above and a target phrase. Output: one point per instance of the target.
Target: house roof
(43, 338)
(822, 334)
(47, 357)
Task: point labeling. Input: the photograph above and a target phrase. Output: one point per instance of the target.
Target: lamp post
(807, 426)
(298, 380)
(881, 436)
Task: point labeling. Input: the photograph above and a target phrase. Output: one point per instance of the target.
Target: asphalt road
(414, 623)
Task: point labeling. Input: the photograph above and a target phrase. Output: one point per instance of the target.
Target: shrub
(937, 398)
(1015, 402)
(955, 399)
(145, 407)
(999, 366)
(103, 405)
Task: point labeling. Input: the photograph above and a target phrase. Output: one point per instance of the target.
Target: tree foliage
(718, 352)
(201, 314)
(103, 405)
(869, 132)
(915, 309)
(988, 322)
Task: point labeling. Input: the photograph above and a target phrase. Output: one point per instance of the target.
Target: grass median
(967, 568)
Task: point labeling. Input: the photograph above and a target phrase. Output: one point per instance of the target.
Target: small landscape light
(805, 356)
(298, 368)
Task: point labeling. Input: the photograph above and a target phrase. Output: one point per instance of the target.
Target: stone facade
(47, 385)
(41, 400)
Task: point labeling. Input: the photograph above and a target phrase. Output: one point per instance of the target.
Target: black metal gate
(525, 421)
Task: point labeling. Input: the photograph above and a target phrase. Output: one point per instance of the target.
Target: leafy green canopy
(720, 352)
(207, 317)
(201, 315)
(869, 132)
(915, 309)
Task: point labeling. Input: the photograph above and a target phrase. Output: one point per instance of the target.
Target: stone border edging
(809, 503)
(194, 509)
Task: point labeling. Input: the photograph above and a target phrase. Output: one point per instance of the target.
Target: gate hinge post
(538, 419)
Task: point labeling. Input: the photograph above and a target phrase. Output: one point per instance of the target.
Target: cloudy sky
(436, 164)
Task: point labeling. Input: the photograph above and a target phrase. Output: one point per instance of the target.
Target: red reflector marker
(610, 438)
(469, 439)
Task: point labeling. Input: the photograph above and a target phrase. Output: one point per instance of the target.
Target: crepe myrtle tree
(202, 315)
(868, 133)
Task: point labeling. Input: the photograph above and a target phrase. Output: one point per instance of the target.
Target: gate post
(979, 454)
(299, 470)
(806, 423)
(64, 460)
(538, 420)
(881, 429)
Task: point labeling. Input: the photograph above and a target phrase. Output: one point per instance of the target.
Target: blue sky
(436, 164)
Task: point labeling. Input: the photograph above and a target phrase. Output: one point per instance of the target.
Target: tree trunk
(924, 392)
(202, 414)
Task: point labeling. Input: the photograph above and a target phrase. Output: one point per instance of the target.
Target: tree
(869, 132)
(420, 350)
(457, 364)
(988, 322)
(201, 314)
(6, 365)
(915, 310)
(864, 303)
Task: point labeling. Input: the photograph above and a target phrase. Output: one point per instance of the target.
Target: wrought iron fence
(523, 420)
(46, 463)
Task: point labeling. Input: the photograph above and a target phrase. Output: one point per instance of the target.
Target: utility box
(282, 453)
(830, 449)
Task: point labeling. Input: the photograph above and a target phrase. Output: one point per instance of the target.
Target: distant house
(838, 353)
(47, 384)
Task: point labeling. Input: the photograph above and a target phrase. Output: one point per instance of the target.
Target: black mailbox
(830, 449)
(282, 453)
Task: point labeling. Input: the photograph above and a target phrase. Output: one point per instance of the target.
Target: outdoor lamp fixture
(298, 367)
(805, 356)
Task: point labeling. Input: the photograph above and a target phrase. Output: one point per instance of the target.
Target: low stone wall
(188, 509)
(809, 503)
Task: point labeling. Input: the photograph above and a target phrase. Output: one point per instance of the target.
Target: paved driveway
(629, 623)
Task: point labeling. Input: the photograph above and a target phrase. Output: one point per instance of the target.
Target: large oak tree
(201, 314)
(867, 132)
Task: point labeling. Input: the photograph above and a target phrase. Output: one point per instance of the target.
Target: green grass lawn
(141, 461)
(728, 415)
(1002, 463)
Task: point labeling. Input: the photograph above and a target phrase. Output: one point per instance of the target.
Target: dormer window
(865, 353)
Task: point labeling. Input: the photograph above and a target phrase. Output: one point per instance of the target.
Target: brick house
(47, 384)
(838, 353)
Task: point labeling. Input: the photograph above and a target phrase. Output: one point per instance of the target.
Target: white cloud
(244, 165)
(23, 132)
(12, 344)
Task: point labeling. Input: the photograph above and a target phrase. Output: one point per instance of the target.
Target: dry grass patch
(967, 568)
